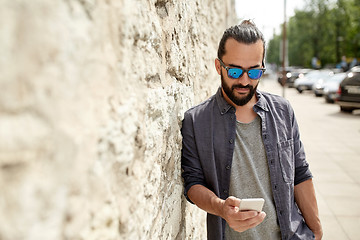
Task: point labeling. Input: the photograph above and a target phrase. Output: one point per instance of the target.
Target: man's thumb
(233, 201)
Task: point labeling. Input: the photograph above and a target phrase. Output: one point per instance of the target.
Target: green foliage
(273, 52)
(325, 29)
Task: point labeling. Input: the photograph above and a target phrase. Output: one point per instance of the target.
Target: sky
(267, 14)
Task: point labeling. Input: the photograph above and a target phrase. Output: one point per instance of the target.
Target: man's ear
(218, 66)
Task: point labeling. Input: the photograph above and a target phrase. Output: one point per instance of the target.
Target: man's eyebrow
(236, 66)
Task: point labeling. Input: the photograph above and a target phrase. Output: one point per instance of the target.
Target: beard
(229, 91)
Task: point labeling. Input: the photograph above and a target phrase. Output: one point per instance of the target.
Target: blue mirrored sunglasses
(235, 73)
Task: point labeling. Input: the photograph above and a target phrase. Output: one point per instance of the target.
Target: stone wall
(92, 94)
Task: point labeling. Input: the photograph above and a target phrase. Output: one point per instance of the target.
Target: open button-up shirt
(208, 132)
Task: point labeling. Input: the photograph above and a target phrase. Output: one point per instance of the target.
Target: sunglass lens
(235, 72)
(255, 73)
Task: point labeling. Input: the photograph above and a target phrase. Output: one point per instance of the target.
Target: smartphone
(251, 204)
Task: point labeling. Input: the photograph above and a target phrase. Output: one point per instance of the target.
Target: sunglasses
(235, 73)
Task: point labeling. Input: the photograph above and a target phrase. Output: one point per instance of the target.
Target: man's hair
(246, 32)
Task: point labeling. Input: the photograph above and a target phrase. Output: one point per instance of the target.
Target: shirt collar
(261, 103)
(225, 106)
(222, 103)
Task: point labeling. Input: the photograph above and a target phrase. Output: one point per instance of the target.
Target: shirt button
(225, 191)
(271, 162)
(227, 167)
(265, 136)
(275, 187)
(231, 141)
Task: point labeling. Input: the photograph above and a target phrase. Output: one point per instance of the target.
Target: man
(243, 143)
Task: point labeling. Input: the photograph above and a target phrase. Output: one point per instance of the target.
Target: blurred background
(325, 29)
(310, 45)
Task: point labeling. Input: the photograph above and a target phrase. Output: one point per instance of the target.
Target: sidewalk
(332, 145)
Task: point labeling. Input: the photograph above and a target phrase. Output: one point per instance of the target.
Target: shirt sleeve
(192, 172)
(302, 170)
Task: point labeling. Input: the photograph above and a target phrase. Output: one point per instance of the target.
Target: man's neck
(245, 113)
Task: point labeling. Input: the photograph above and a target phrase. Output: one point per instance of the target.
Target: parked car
(319, 85)
(287, 73)
(295, 74)
(331, 87)
(349, 91)
(292, 73)
(307, 82)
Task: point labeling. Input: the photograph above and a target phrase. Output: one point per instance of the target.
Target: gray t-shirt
(250, 179)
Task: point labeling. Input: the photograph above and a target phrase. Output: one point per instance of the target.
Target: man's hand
(238, 220)
(228, 209)
(318, 235)
(306, 200)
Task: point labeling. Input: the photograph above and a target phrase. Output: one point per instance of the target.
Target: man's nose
(244, 79)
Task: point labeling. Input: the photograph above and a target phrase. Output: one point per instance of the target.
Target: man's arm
(227, 209)
(306, 200)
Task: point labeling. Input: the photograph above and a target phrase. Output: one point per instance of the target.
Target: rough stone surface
(92, 94)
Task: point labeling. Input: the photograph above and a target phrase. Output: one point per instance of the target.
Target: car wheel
(299, 90)
(346, 109)
(329, 100)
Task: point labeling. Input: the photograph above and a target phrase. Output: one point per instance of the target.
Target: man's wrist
(217, 205)
(318, 233)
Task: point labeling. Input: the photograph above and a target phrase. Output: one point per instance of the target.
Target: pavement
(332, 145)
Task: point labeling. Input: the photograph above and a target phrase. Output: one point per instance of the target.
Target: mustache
(241, 86)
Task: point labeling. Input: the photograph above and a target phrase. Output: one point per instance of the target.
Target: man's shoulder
(273, 97)
(275, 101)
(204, 107)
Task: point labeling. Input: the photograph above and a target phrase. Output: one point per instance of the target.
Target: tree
(273, 53)
(300, 32)
(326, 29)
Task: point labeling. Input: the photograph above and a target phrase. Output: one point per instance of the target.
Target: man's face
(242, 99)
(240, 91)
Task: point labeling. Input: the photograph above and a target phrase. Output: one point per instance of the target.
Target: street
(332, 146)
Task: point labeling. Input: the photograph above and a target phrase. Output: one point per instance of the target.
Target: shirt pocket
(286, 157)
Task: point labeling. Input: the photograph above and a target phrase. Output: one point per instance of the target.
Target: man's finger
(257, 220)
(242, 225)
(245, 215)
(232, 201)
